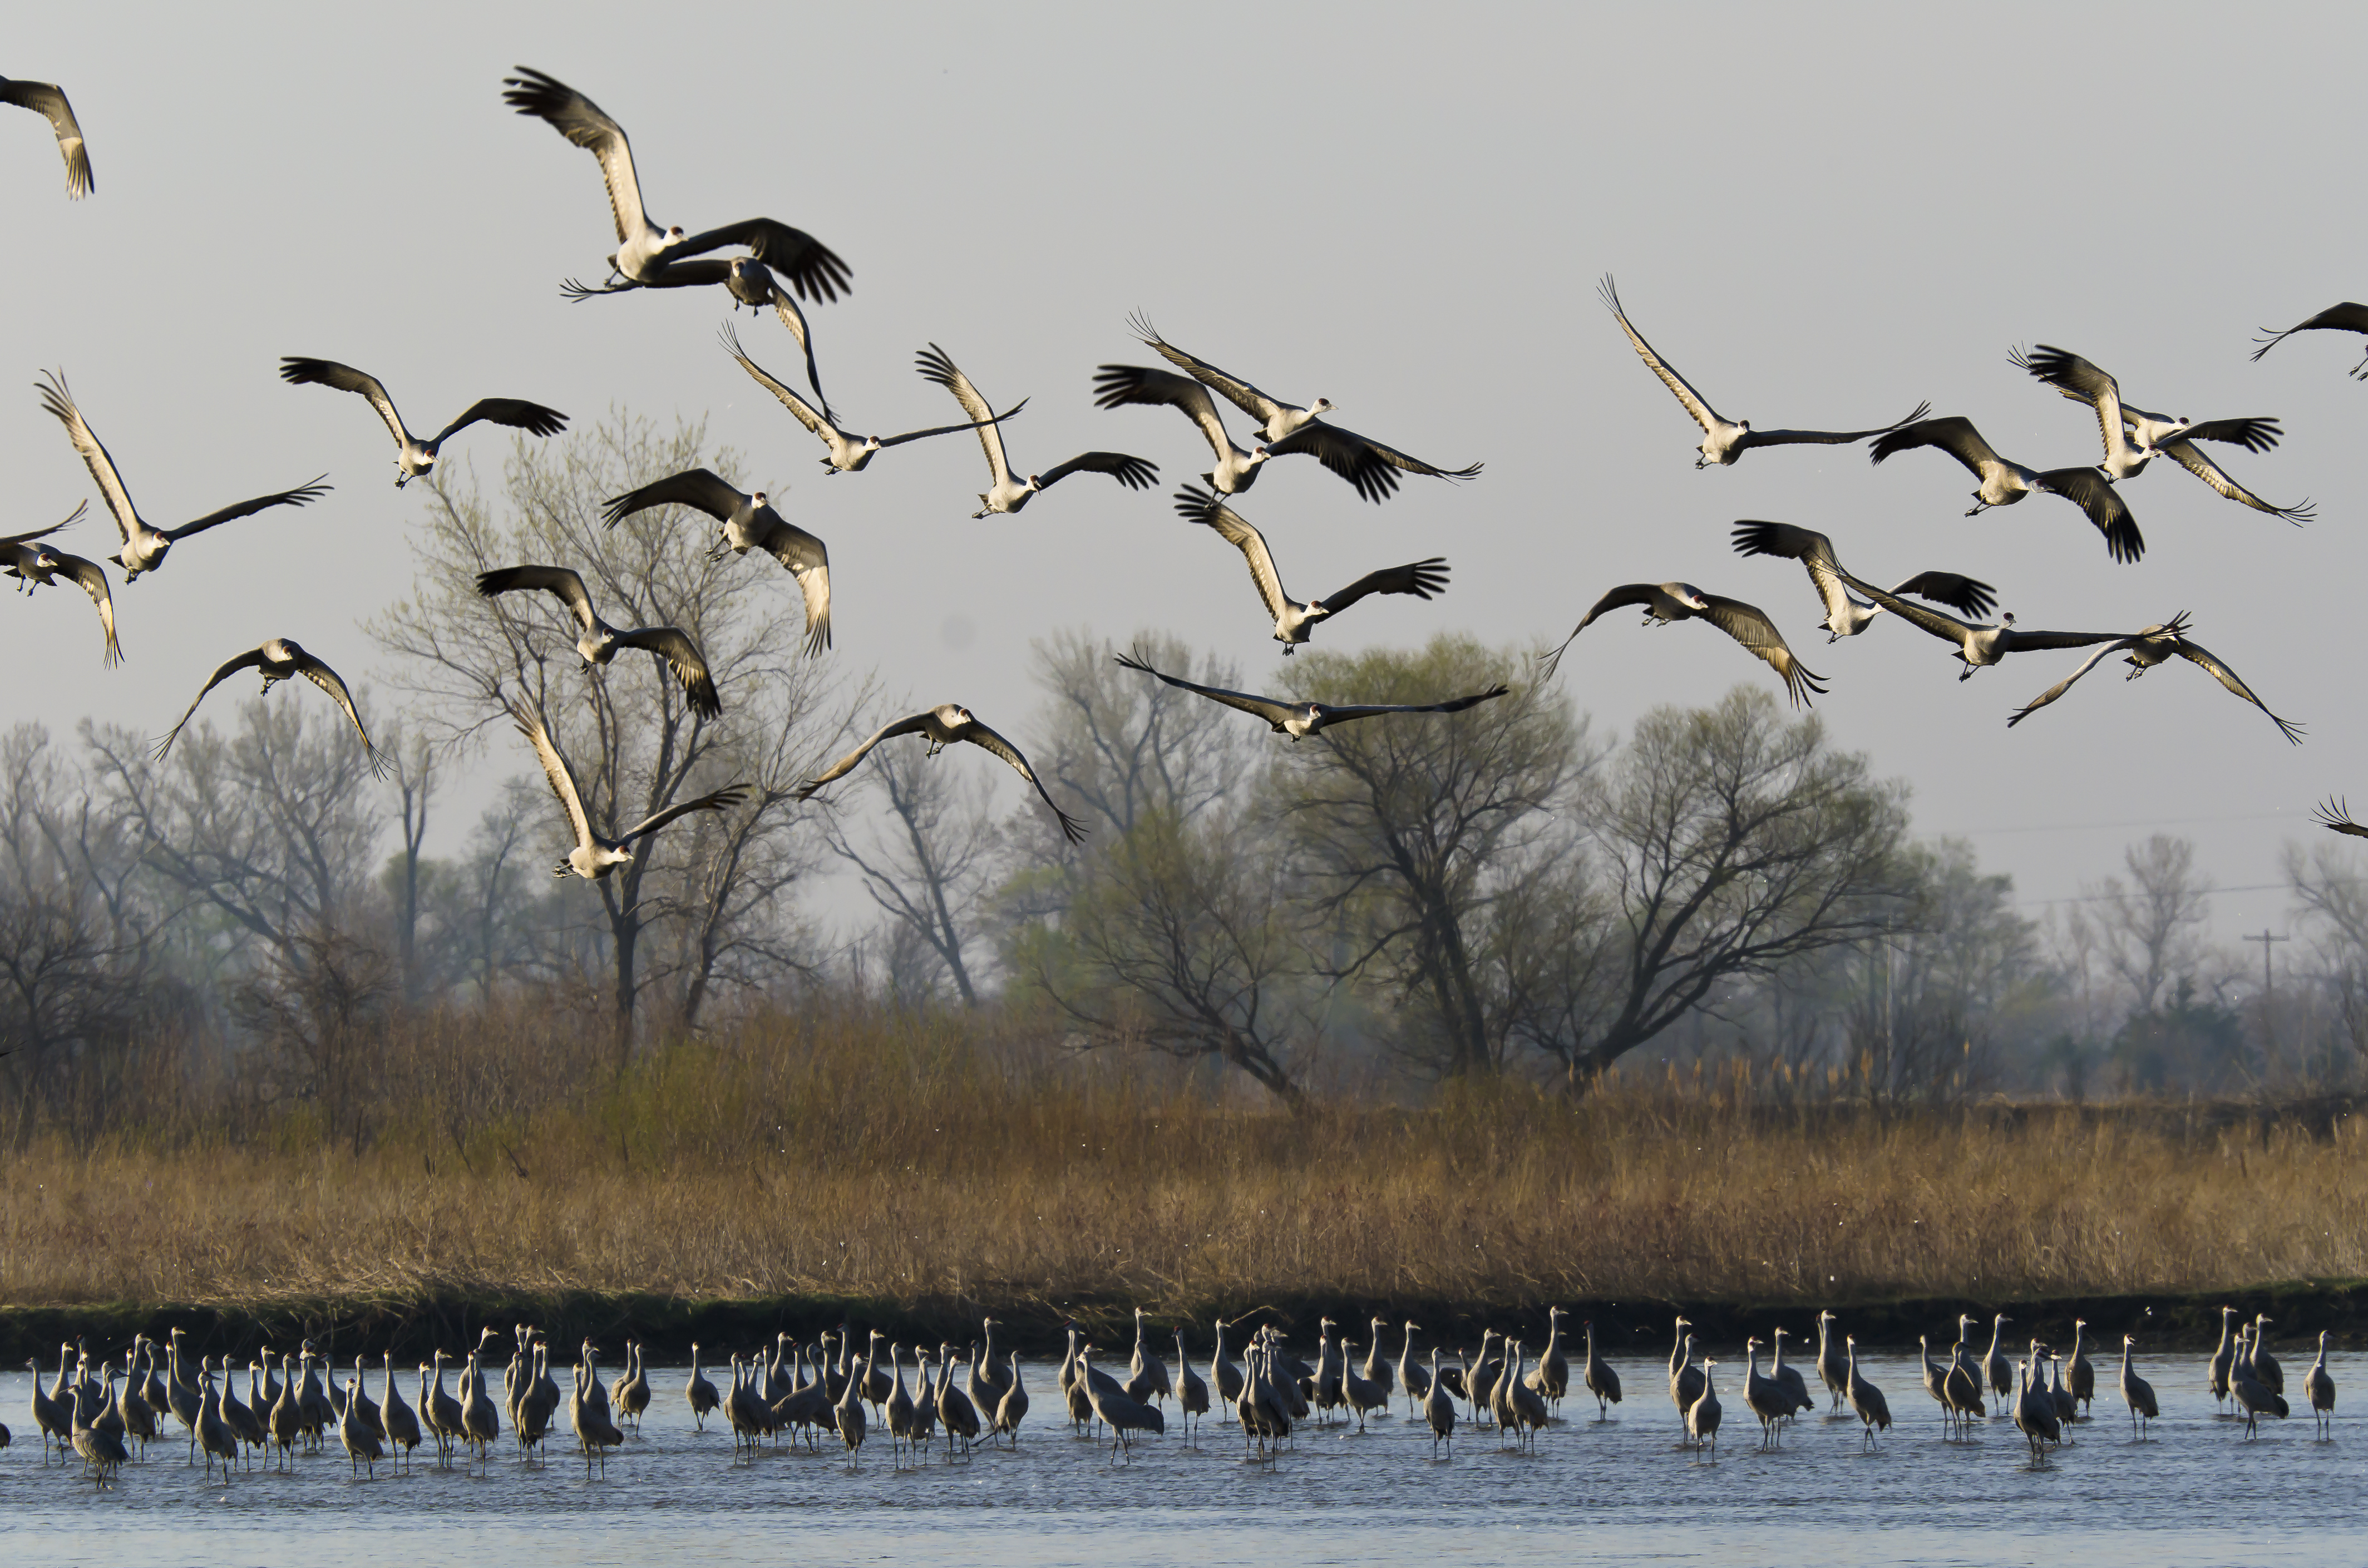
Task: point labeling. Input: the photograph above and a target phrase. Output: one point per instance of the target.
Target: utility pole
(2265, 939)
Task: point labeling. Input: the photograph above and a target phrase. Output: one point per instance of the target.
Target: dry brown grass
(855, 1155)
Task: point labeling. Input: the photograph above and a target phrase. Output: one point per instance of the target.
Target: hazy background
(1404, 209)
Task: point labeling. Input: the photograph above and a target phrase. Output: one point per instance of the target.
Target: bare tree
(2152, 927)
(695, 905)
(1731, 842)
(929, 866)
(1409, 831)
(1120, 747)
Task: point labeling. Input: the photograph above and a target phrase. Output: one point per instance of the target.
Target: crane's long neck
(1995, 1326)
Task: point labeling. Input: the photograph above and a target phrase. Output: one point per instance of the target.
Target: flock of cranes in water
(823, 1391)
(778, 267)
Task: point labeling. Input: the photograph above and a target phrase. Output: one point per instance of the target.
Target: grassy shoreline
(1631, 1333)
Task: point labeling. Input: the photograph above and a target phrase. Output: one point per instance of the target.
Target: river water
(1618, 1491)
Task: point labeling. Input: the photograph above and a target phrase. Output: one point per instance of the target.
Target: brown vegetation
(865, 1152)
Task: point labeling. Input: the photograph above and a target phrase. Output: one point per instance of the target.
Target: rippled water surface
(1616, 1491)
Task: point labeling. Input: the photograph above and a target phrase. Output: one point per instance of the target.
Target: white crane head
(1689, 595)
(1322, 405)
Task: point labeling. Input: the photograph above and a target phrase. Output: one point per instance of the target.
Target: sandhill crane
(2320, 1387)
(595, 1429)
(1998, 1367)
(1324, 1388)
(1115, 1408)
(1146, 1374)
(1362, 1394)
(645, 253)
(1012, 1409)
(287, 1422)
(944, 725)
(2170, 437)
(1874, 1410)
(599, 641)
(2034, 1414)
(2083, 1376)
(749, 522)
(1481, 1374)
(1748, 624)
(1767, 1399)
(1936, 1384)
(2004, 481)
(1524, 1403)
(314, 1407)
(402, 1422)
(244, 1424)
(1300, 719)
(40, 565)
(145, 548)
(2345, 317)
(1551, 1376)
(279, 659)
(1437, 1410)
(897, 1409)
(746, 1414)
(1295, 622)
(1367, 464)
(1226, 1378)
(215, 1438)
(750, 282)
(2224, 1358)
(849, 1409)
(991, 1369)
(102, 1451)
(2067, 1409)
(1981, 646)
(1006, 495)
(1724, 443)
(2152, 646)
(596, 855)
(1265, 1409)
(2137, 1392)
(52, 1421)
(924, 1397)
(357, 1397)
(1704, 1414)
(1193, 1393)
(1846, 615)
(180, 1393)
(414, 456)
(1961, 1382)
(2265, 1366)
(480, 1424)
(1601, 1380)
(698, 1392)
(847, 453)
(1685, 1378)
(2253, 1397)
(361, 1444)
(1832, 1364)
(140, 1419)
(1790, 1378)
(46, 99)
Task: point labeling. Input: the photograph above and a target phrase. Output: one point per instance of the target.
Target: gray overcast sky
(1819, 221)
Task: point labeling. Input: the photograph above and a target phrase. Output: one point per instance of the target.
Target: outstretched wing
(1232, 388)
(302, 495)
(812, 269)
(1370, 710)
(1966, 596)
(1626, 593)
(2106, 651)
(2185, 453)
(911, 724)
(71, 518)
(60, 402)
(1266, 707)
(2203, 659)
(328, 680)
(986, 424)
(298, 371)
(514, 412)
(937, 366)
(809, 563)
(1813, 550)
(1750, 438)
(806, 411)
(1695, 403)
(2345, 317)
(93, 581)
(586, 124)
(1945, 627)
(1361, 460)
(694, 487)
(44, 99)
(2338, 816)
(555, 773)
(249, 659)
(1119, 384)
(1135, 474)
(716, 801)
(1195, 504)
(1749, 625)
(2257, 434)
(560, 582)
(2089, 490)
(979, 735)
(1419, 578)
(1952, 434)
(683, 657)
